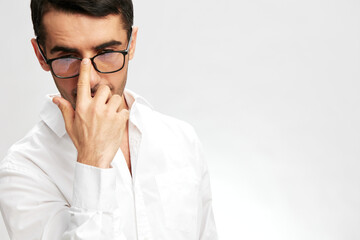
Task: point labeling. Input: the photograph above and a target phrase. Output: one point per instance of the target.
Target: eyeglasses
(104, 62)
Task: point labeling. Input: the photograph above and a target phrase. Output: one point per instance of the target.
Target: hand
(97, 125)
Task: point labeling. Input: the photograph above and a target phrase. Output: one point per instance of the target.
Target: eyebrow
(63, 49)
(74, 50)
(108, 44)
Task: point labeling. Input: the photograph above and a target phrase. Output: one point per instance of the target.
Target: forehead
(81, 31)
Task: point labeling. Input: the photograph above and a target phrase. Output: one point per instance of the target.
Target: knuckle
(124, 114)
(116, 98)
(108, 112)
(104, 89)
(98, 110)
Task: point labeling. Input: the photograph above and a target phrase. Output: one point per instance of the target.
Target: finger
(114, 103)
(124, 114)
(66, 110)
(83, 85)
(103, 94)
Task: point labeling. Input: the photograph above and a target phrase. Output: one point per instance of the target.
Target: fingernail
(85, 61)
(56, 101)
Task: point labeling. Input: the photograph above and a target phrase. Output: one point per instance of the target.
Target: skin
(93, 105)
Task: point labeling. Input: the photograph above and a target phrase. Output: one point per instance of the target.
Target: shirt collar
(52, 117)
(132, 97)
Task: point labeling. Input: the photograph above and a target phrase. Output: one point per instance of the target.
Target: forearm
(94, 203)
(45, 214)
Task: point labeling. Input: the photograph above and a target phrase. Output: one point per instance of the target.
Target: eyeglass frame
(49, 61)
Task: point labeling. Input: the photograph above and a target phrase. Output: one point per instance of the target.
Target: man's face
(84, 36)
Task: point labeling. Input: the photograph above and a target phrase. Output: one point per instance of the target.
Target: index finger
(83, 85)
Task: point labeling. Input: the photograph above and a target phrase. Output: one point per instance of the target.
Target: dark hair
(95, 8)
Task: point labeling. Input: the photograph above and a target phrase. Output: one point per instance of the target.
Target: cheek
(118, 81)
(66, 87)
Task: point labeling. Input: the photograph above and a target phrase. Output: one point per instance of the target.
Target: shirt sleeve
(33, 207)
(207, 228)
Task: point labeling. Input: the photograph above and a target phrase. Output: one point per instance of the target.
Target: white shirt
(46, 194)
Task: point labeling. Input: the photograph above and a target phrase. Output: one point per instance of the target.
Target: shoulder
(157, 124)
(41, 152)
(22, 154)
(168, 127)
(44, 144)
(175, 125)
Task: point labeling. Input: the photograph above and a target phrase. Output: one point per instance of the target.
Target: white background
(272, 88)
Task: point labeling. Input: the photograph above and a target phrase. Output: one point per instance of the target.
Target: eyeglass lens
(66, 67)
(105, 62)
(109, 62)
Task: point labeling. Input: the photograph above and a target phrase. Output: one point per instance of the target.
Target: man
(101, 163)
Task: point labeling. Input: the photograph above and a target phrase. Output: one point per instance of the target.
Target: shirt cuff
(94, 188)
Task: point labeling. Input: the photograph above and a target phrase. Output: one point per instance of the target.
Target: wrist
(93, 160)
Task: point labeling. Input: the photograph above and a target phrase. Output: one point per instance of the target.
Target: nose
(94, 77)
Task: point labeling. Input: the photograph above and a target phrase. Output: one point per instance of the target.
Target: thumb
(66, 110)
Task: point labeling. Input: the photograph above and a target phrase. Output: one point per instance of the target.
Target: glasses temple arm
(41, 52)
(128, 47)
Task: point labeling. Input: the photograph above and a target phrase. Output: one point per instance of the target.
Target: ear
(40, 58)
(133, 43)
